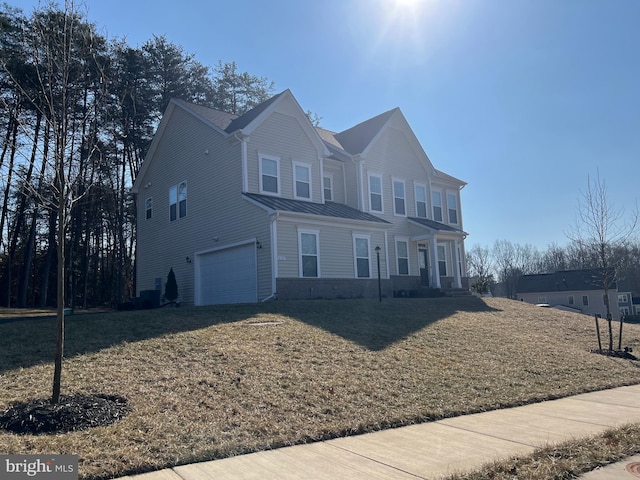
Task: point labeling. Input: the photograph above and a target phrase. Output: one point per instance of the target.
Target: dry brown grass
(207, 383)
(566, 460)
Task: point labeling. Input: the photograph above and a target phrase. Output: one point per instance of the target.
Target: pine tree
(171, 288)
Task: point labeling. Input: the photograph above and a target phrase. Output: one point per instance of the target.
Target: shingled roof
(562, 281)
(356, 139)
(327, 209)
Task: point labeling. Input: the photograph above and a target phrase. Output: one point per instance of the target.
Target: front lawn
(207, 383)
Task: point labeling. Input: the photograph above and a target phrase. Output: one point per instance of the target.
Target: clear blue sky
(522, 99)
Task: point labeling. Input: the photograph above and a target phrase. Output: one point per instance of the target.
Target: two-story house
(263, 205)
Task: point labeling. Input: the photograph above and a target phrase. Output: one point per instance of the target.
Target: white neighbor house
(264, 205)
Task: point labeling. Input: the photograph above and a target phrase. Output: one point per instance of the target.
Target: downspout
(274, 254)
(242, 138)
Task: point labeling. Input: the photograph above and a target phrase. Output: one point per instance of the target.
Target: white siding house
(265, 206)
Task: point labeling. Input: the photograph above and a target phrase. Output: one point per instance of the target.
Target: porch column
(456, 267)
(435, 268)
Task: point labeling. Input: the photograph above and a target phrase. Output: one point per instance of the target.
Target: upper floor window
(399, 205)
(178, 201)
(148, 207)
(452, 205)
(269, 175)
(308, 245)
(302, 180)
(361, 254)
(375, 193)
(622, 298)
(436, 200)
(328, 188)
(421, 201)
(585, 300)
(402, 255)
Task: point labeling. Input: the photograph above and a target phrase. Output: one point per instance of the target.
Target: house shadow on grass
(377, 325)
(368, 323)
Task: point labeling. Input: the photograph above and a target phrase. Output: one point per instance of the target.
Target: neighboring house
(635, 305)
(575, 290)
(264, 205)
(625, 298)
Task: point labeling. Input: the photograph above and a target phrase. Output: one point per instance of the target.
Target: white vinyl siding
(362, 256)
(302, 181)
(375, 193)
(399, 198)
(309, 258)
(269, 175)
(421, 200)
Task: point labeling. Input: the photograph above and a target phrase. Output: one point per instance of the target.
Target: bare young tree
(480, 266)
(600, 230)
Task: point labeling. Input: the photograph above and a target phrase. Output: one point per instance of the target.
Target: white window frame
(446, 263)
(355, 254)
(175, 200)
(622, 298)
(148, 208)
(453, 196)
(585, 300)
(437, 194)
(396, 197)
(326, 188)
(571, 300)
(423, 187)
(371, 193)
(262, 157)
(624, 310)
(307, 167)
(398, 257)
(301, 254)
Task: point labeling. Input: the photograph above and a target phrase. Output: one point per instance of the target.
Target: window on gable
(328, 188)
(452, 205)
(148, 207)
(436, 200)
(302, 180)
(421, 201)
(375, 193)
(269, 175)
(361, 253)
(399, 206)
(402, 255)
(308, 244)
(178, 201)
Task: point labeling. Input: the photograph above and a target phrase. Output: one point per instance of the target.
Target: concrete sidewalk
(431, 450)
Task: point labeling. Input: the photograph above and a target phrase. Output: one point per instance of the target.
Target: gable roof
(327, 209)
(220, 119)
(248, 117)
(356, 139)
(561, 281)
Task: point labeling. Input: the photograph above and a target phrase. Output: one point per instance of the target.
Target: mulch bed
(71, 413)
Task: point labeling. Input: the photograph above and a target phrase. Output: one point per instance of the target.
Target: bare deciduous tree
(600, 230)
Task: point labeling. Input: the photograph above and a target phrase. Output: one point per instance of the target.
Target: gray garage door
(228, 276)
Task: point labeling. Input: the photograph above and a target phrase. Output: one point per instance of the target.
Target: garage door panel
(228, 276)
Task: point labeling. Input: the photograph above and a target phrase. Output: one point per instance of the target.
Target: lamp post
(379, 285)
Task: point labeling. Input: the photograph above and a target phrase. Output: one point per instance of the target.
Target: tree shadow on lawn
(368, 323)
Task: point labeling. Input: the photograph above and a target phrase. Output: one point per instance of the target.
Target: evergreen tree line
(77, 114)
(505, 262)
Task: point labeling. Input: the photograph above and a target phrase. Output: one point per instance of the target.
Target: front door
(423, 259)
